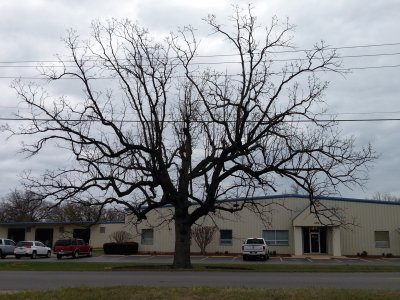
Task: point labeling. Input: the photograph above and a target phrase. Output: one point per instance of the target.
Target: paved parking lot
(167, 259)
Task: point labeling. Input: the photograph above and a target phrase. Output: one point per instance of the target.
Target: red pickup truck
(72, 247)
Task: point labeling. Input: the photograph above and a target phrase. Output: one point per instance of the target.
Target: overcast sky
(32, 31)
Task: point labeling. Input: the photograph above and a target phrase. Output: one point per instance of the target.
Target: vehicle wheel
(244, 257)
(2, 255)
(264, 257)
(75, 254)
(33, 255)
(90, 254)
(59, 256)
(48, 254)
(17, 256)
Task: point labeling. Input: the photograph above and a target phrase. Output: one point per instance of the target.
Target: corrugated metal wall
(364, 218)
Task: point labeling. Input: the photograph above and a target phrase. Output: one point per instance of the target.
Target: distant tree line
(27, 206)
(386, 197)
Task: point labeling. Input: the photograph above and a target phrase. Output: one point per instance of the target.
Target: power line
(321, 114)
(199, 76)
(9, 64)
(205, 121)
(230, 55)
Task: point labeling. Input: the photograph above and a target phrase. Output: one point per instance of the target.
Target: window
(147, 236)
(102, 229)
(382, 239)
(276, 237)
(8, 242)
(225, 237)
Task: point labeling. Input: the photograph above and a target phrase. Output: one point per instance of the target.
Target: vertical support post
(298, 241)
(336, 246)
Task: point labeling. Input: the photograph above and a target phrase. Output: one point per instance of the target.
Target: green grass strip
(109, 267)
(195, 293)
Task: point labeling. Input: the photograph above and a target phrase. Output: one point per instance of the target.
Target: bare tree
(385, 197)
(203, 236)
(120, 236)
(23, 206)
(155, 128)
(77, 211)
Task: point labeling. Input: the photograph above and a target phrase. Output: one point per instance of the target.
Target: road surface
(22, 280)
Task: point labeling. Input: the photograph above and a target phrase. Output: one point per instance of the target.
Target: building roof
(60, 223)
(323, 198)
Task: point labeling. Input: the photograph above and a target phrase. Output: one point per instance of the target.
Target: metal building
(344, 227)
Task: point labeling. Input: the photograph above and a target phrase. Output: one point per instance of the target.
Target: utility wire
(210, 121)
(199, 76)
(9, 64)
(230, 55)
(322, 114)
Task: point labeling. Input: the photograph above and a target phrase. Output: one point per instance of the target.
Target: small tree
(203, 236)
(120, 236)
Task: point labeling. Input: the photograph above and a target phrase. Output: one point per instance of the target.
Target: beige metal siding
(243, 225)
(362, 218)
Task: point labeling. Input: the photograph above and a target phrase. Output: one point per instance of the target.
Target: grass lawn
(202, 293)
(28, 265)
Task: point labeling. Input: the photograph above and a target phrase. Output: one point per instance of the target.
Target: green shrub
(126, 248)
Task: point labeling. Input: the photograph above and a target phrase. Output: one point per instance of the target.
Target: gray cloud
(32, 30)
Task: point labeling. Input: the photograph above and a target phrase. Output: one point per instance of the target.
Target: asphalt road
(168, 259)
(49, 280)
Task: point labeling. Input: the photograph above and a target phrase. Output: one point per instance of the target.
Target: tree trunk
(182, 244)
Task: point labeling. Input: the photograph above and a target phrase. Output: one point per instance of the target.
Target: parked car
(72, 247)
(255, 248)
(6, 247)
(32, 249)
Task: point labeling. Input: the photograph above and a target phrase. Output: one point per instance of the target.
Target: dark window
(382, 239)
(255, 241)
(24, 244)
(225, 237)
(147, 237)
(276, 237)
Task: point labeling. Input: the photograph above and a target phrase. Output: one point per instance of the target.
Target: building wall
(3, 232)
(368, 218)
(98, 236)
(243, 225)
(100, 233)
(363, 219)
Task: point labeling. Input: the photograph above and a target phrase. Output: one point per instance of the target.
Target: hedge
(121, 248)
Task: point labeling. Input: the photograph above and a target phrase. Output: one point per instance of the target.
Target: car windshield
(255, 241)
(63, 243)
(24, 244)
